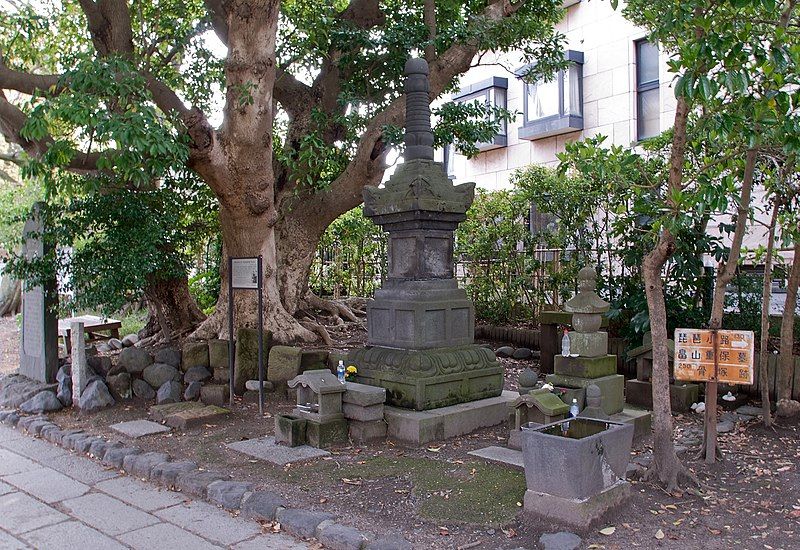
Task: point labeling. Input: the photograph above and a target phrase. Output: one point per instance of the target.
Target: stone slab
(588, 344)
(70, 534)
(198, 416)
(47, 485)
(5, 488)
(420, 427)
(136, 493)
(501, 455)
(160, 412)
(585, 367)
(78, 468)
(578, 513)
(363, 395)
(108, 514)
(210, 522)
(276, 540)
(139, 428)
(612, 388)
(20, 513)
(34, 448)
(165, 535)
(641, 420)
(362, 414)
(216, 394)
(12, 463)
(265, 448)
(323, 435)
(361, 432)
(7, 542)
(681, 396)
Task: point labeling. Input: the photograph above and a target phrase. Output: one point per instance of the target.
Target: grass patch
(472, 492)
(133, 322)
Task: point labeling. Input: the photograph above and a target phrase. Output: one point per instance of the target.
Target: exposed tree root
(670, 474)
(317, 328)
(337, 309)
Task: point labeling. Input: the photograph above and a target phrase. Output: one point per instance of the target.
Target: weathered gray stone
(16, 389)
(11, 419)
(201, 414)
(115, 343)
(284, 364)
(159, 374)
(138, 428)
(389, 542)
(222, 376)
(363, 395)
(196, 374)
(116, 455)
(120, 385)
(522, 354)
(215, 394)
(361, 432)
(247, 357)
(167, 473)
(130, 340)
(252, 385)
(169, 356)
(134, 360)
(314, 359)
(299, 522)
(169, 392)
(64, 393)
(142, 390)
(45, 401)
(192, 392)
(265, 448)
(142, 465)
(102, 365)
(788, 408)
(560, 541)
(195, 354)
(64, 373)
(85, 444)
(339, 537)
(725, 426)
(262, 505)
(362, 414)
(98, 447)
(196, 482)
(504, 351)
(95, 397)
(228, 494)
(218, 354)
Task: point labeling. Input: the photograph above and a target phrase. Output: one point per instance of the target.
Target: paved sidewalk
(51, 498)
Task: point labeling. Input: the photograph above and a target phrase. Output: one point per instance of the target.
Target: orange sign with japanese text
(704, 355)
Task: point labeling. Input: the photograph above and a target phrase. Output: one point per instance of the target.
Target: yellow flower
(352, 368)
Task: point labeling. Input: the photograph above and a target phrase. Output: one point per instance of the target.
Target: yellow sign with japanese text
(723, 355)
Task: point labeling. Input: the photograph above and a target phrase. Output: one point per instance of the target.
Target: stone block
(578, 513)
(588, 344)
(339, 537)
(142, 390)
(228, 494)
(195, 354)
(501, 455)
(612, 388)
(215, 394)
(196, 374)
(218, 354)
(284, 364)
(170, 392)
(160, 412)
(299, 522)
(247, 357)
(586, 367)
(196, 482)
(640, 419)
(159, 374)
(142, 465)
(361, 432)
(313, 359)
(222, 376)
(290, 430)
(363, 395)
(681, 395)
(167, 473)
(115, 456)
(138, 428)
(197, 416)
(262, 505)
(326, 434)
(134, 360)
(389, 542)
(265, 448)
(362, 414)
(169, 356)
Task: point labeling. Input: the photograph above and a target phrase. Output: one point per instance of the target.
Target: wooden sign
(722, 355)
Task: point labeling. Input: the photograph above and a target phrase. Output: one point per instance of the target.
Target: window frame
(646, 86)
(561, 122)
(488, 89)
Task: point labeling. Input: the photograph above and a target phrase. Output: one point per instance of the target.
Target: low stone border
(214, 487)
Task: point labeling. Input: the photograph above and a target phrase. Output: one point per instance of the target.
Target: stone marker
(265, 448)
(246, 357)
(199, 416)
(218, 354)
(284, 365)
(195, 354)
(79, 367)
(138, 428)
(38, 356)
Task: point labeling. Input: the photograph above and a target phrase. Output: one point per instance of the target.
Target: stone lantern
(319, 402)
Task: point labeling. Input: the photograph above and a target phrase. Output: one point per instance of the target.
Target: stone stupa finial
(418, 137)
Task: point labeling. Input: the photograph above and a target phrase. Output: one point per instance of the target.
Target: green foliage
(205, 284)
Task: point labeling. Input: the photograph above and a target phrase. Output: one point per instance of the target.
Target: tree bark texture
(173, 311)
(766, 297)
(786, 365)
(10, 296)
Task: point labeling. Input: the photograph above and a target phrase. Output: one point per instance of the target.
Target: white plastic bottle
(565, 344)
(573, 409)
(340, 371)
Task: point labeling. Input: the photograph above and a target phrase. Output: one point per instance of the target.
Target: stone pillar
(421, 325)
(79, 366)
(38, 357)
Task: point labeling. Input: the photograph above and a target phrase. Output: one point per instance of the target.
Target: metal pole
(260, 342)
(230, 329)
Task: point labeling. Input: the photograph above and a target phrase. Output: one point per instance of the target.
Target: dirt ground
(440, 497)
(9, 345)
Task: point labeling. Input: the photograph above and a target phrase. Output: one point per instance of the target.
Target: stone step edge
(326, 529)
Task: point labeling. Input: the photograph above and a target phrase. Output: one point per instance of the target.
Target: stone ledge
(578, 513)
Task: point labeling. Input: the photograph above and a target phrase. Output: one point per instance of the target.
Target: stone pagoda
(589, 363)
(421, 325)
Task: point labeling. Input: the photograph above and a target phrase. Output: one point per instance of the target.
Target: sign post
(713, 356)
(246, 274)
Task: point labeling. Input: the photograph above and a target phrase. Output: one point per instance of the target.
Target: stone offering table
(319, 403)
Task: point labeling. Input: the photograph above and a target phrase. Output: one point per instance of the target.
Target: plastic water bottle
(573, 410)
(565, 344)
(340, 371)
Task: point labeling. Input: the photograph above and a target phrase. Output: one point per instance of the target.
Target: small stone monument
(38, 357)
(80, 367)
(594, 404)
(421, 325)
(589, 362)
(539, 406)
(319, 402)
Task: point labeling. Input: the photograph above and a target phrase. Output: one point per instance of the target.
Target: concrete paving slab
(109, 515)
(6, 488)
(20, 513)
(277, 541)
(139, 428)
(12, 463)
(136, 493)
(47, 485)
(210, 522)
(80, 468)
(8, 434)
(167, 537)
(69, 535)
(265, 448)
(7, 542)
(501, 455)
(34, 448)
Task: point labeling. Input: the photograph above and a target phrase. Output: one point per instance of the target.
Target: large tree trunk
(787, 329)
(10, 296)
(173, 310)
(766, 296)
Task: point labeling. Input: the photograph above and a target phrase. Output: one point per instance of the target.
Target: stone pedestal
(612, 389)
(681, 395)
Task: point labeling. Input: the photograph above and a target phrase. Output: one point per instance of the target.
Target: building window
(492, 92)
(556, 106)
(647, 94)
(449, 160)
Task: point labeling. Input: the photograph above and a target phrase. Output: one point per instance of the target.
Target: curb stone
(231, 494)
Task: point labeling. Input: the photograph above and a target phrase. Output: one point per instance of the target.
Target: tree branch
(27, 83)
(219, 18)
